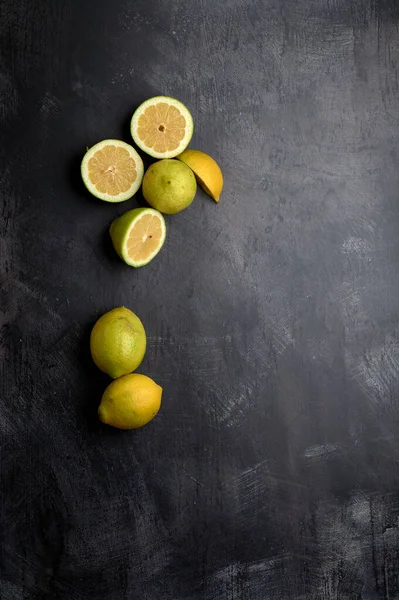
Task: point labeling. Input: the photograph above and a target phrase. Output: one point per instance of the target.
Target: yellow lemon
(206, 170)
(130, 402)
(118, 342)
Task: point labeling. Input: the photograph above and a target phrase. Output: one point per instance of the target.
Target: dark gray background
(271, 471)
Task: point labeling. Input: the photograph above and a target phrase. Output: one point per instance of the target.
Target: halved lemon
(138, 235)
(162, 127)
(206, 170)
(112, 170)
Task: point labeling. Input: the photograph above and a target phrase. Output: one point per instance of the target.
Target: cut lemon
(162, 127)
(112, 171)
(206, 170)
(138, 235)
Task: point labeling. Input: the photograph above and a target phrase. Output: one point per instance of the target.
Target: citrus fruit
(162, 127)
(138, 235)
(169, 186)
(130, 402)
(112, 170)
(118, 342)
(206, 171)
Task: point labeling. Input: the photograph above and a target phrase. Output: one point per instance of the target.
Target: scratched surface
(271, 472)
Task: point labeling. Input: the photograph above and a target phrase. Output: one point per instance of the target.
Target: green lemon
(118, 342)
(169, 186)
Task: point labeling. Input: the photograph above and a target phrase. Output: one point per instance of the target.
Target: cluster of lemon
(113, 171)
(118, 344)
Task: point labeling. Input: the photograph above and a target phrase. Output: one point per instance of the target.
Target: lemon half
(112, 170)
(138, 235)
(162, 127)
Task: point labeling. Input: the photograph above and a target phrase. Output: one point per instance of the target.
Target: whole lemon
(130, 402)
(169, 186)
(118, 342)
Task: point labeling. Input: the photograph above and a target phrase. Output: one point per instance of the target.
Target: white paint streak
(10, 591)
(356, 245)
(229, 405)
(377, 370)
(50, 105)
(320, 451)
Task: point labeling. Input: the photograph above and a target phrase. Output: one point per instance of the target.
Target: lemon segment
(206, 170)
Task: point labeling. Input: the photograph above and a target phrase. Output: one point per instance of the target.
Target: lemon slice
(138, 235)
(162, 127)
(112, 171)
(206, 171)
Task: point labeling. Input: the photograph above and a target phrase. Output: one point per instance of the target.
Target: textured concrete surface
(271, 472)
